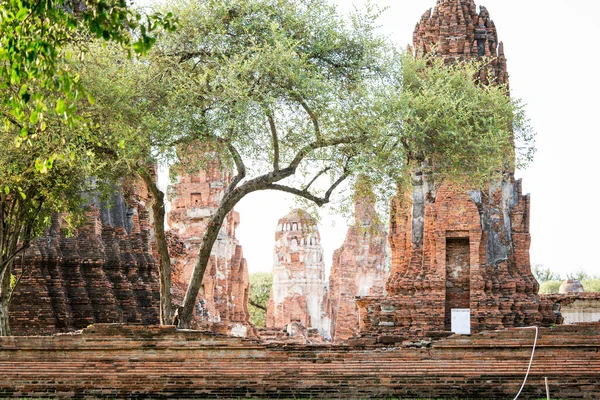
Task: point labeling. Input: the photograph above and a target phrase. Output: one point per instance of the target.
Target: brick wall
(132, 361)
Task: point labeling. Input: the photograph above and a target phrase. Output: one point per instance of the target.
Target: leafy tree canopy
(37, 38)
(260, 290)
(291, 97)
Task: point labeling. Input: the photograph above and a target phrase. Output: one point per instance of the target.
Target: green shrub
(550, 287)
(260, 290)
(591, 285)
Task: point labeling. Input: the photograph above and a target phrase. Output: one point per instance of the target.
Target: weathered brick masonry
(105, 272)
(112, 361)
(453, 248)
(222, 305)
(359, 267)
(298, 275)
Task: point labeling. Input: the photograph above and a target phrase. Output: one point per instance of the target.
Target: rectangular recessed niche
(458, 277)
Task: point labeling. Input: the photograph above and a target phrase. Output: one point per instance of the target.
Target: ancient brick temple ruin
(359, 267)
(453, 250)
(223, 303)
(105, 272)
(298, 275)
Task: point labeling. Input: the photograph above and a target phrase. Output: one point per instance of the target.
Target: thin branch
(13, 256)
(319, 144)
(239, 164)
(12, 290)
(12, 120)
(320, 201)
(255, 304)
(275, 140)
(316, 177)
(312, 115)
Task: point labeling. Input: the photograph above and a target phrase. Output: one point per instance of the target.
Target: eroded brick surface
(359, 268)
(112, 361)
(222, 305)
(105, 272)
(471, 249)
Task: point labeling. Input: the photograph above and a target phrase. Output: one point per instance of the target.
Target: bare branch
(255, 304)
(319, 144)
(12, 290)
(239, 164)
(12, 120)
(316, 177)
(320, 201)
(14, 255)
(275, 139)
(312, 115)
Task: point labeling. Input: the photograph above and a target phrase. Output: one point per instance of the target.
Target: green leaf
(122, 143)
(34, 117)
(22, 14)
(6, 190)
(60, 106)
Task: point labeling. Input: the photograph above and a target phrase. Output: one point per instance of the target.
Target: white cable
(530, 360)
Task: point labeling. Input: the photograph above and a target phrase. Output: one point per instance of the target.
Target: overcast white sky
(553, 61)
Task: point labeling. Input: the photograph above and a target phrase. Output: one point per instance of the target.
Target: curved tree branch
(320, 201)
(255, 304)
(324, 170)
(312, 115)
(239, 164)
(275, 140)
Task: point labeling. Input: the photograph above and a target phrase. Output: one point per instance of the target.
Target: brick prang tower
(473, 250)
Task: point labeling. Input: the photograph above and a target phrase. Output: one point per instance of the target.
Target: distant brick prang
(454, 248)
(298, 288)
(112, 361)
(105, 272)
(359, 268)
(222, 306)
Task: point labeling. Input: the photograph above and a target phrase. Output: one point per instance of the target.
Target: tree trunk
(164, 261)
(5, 300)
(208, 240)
(4, 322)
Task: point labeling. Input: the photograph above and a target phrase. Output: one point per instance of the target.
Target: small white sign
(461, 321)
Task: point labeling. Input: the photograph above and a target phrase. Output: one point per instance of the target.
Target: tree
(591, 285)
(293, 88)
(28, 198)
(548, 287)
(38, 37)
(260, 290)
(580, 275)
(544, 274)
(293, 98)
(50, 147)
(132, 108)
(277, 87)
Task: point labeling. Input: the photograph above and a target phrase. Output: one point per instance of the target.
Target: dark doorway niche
(458, 277)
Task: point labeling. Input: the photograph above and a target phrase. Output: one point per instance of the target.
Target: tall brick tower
(298, 275)
(222, 305)
(471, 251)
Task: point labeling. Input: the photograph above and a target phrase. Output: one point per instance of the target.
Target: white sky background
(553, 62)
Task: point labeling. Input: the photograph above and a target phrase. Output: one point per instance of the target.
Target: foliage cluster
(550, 281)
(260, 290)
(286, 94)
